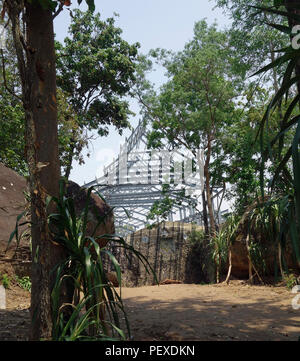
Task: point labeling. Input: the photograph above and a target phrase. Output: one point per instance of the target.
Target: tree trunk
(211, 229)
(230, 264)
(218, 270)
(249, 259)
(43, 160)
(70, 160)
(157, 251)
(204, 209)
(207, 189)
(280, 260)
(36, 63)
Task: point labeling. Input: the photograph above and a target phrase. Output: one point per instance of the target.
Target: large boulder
(12, 202)
(97, 209)
(240, 262)
(239, 259)
(267, 250)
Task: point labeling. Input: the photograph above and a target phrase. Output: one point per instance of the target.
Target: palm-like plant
(222, 243)
(274, 218)
(283, 209)
(97, 314)
(220, 251)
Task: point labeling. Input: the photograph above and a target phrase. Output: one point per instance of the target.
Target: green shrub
(24, 282)
(200, 266)
(83, 270)
(290, 280)
(196, 237)
(5, 281)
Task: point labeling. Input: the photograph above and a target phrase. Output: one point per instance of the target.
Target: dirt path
(212, 312)
(15, 320)
(187, 312)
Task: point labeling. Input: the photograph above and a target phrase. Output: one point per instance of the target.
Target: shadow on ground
(187, 313)
(212, 317)
(14, 325)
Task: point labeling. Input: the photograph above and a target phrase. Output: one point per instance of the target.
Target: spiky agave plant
(274, 219)
(287, 173)
(97, 315)
(222, 245)
(220, 251)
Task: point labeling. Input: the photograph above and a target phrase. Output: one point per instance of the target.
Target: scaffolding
(133, 182)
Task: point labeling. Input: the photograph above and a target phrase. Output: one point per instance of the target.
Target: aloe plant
(97, 315)
(284, 187)
(220, 251)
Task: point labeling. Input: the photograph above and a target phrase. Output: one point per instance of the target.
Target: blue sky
(153, 23)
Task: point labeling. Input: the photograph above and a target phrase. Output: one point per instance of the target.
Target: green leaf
(284, 88)
(296, 170)
(15, 232)
(278, 3)
(116, 265)
(281, 166)
(286, 127)
(279, 61)
(294, 233)
(282, 28)
(278, 12)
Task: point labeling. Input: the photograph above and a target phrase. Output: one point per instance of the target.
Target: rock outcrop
(98, 210)
(13, 203)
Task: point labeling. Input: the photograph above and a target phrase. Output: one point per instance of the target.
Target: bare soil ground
(181, 312)
(212, 312)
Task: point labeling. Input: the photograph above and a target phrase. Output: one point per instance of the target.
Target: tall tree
(237, 150)
(253, 40)
(32, 29)
(12, 132)
(12, 125)
(197, 101)
(96, 68)
(284, 185)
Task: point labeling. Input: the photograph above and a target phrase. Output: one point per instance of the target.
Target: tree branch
(59, 10)
(162, 127)
(4, 78)
(14, 10)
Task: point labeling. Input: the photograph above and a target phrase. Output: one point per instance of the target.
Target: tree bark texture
(42, 148)
(212, 224)
(36, 62)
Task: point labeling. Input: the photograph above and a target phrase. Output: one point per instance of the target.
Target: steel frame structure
(132, 200)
